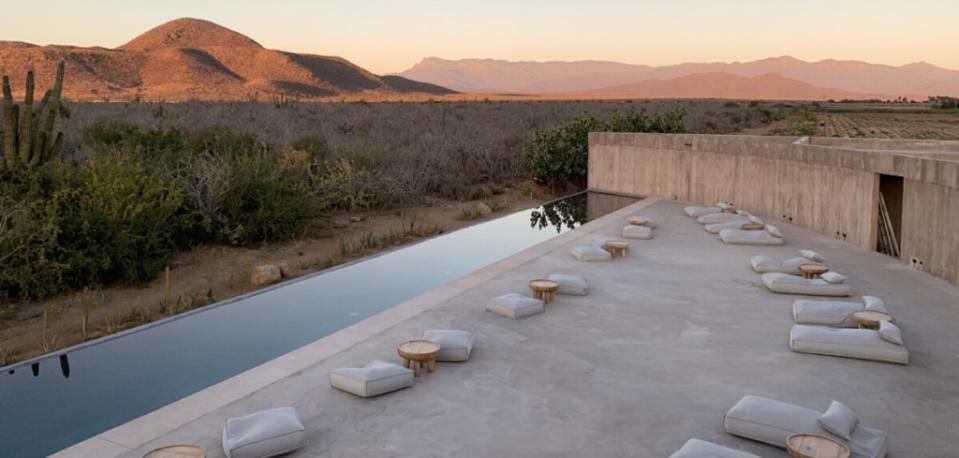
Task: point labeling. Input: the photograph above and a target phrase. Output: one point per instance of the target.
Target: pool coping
(135, 433)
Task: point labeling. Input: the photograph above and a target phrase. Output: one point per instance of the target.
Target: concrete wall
(820, 185)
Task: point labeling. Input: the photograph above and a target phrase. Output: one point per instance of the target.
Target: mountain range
(194, 59)
(779, 78)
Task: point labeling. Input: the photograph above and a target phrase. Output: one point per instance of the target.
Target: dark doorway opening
(890, 215)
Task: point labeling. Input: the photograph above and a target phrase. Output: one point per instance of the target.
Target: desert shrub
(119, 135)
(316, 147)
(562, 152)
(28, 238)
(263, 202)
(344, 186)
(116, 221)
(225, 142)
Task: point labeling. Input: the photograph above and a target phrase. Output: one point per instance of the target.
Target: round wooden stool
(544, 289)
(417, 352)
(814, 446)
(812, 270)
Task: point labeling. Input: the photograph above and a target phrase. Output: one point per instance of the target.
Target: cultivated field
(872, 120)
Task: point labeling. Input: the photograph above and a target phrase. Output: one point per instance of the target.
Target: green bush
(314, 146)
(28, 239)
(123, 136)
(116, 222)
(562, 152)
(264, 202)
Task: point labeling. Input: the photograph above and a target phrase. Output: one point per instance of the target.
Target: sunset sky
(390, 36)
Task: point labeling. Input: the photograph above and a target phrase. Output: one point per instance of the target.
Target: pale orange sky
(390, 36)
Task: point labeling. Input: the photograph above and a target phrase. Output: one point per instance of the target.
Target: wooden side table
(868, 319)
(417, 352)
(544, 289)
(177, 451)
(812, 270)
(815, 446)
(638, 221)
(617, 247)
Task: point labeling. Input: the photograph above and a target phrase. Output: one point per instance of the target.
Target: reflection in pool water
(119, 378)
(560, 214)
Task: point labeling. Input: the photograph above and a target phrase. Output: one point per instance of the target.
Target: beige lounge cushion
(696, 212)
(590, 253)
(755, 220)
(890, 332)
(826, 313)
(455, 345)
(763, 264)
(741, 237)
(847, 343)
(515, 306)
(375, 378)
(771, 421)
(637, 232)
(794, 284)
(716, 218)
(774, 231)
(839, 420)
(834, 277)
(811, 255)
(874, 304)
(572, 285)
(695, 448)
(270, 432)
(717, 227)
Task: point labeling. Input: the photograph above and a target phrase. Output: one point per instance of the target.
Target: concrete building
(830, 185)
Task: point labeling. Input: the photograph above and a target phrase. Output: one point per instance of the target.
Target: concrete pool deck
(669, 338)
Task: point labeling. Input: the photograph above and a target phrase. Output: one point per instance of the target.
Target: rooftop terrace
(668, 340)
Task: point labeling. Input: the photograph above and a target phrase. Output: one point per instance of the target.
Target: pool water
(53, 402)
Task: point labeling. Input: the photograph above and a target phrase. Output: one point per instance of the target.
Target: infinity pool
(53, 402)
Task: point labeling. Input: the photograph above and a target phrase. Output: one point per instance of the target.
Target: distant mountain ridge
(770, 86)
(197, 59)
(497, 76)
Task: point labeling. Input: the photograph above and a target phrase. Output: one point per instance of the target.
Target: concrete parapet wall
(827, 185)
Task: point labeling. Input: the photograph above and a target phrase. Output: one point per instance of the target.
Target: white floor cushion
(741, 237)
(847, 343)
(716, 218)
(590, 253)
(455, 345)
(373, 379)
(763, 264)
(264, 434)
(637, 232)
(770, 421)
(717, 227)
(794, 284)
(826, 313)
(515, 306)
(572, 285)
(696, 212)
(695, 448)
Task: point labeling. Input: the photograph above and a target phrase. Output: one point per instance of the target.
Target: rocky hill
(193, 59)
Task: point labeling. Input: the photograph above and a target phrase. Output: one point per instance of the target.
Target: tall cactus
(25, 143)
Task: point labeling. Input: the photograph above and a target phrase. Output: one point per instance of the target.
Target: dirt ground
(214, 273)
